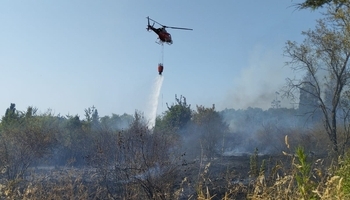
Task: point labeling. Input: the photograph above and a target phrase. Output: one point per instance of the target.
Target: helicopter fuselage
(163, 35)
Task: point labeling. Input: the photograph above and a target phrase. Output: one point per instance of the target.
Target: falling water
(154, 100)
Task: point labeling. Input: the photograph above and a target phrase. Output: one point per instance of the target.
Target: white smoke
(257, 83)
(157, 85)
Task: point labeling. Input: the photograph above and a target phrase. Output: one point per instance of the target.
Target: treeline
(28, 138)
(32, 139)
(129, 157)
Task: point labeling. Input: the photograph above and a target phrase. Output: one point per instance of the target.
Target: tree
(24, 139)
(178, 114)
(315, 4)
(92, 119)
(324, 55)
(308, 103)
(116, 122)
(276, 103)
(11, 115)
(211, 128)
(76, 141)
(138, 163)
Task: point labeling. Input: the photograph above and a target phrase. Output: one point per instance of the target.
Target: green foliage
(11, 116)
(254, 164)
(178, 115)
(262, 167)
(344, 172)
(303, 174)
(25, 138)
(314, 4)
(92, 119)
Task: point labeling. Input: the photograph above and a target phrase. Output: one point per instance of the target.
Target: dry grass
(58, 184)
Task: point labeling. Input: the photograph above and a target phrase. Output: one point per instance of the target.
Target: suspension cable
(162, 54)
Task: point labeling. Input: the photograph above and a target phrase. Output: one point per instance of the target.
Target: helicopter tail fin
(148, 23)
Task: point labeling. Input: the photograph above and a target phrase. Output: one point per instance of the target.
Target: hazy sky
(70, 55)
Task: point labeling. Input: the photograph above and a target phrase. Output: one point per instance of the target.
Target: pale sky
(68, 55)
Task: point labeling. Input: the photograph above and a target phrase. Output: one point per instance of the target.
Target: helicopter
(163, 35)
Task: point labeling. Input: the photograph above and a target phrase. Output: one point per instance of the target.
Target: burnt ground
(220, 176)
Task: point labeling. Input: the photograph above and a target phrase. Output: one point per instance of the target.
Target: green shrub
(344, 172)
(303, 168)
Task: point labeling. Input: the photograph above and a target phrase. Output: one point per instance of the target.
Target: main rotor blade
(189, 29)
(155, 21)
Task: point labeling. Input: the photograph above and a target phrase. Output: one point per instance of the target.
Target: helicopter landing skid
(158, 42)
